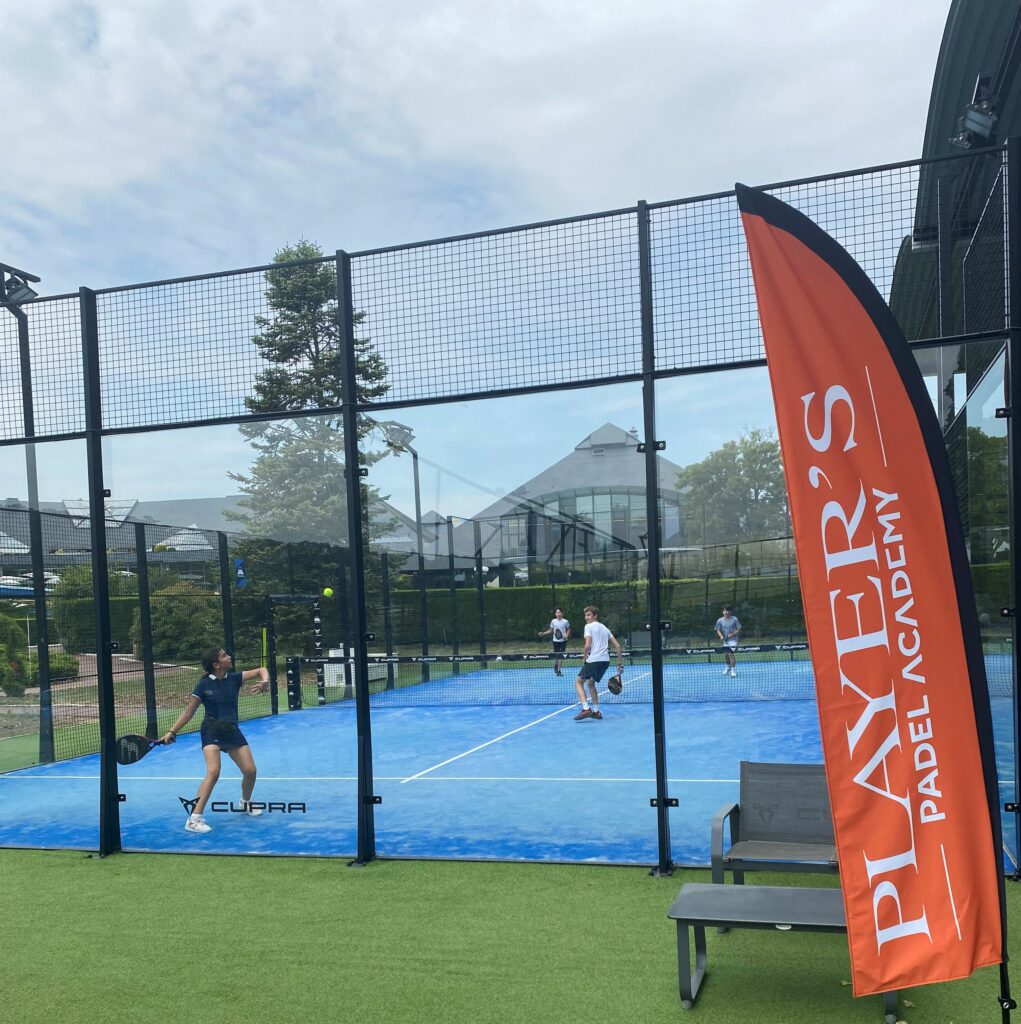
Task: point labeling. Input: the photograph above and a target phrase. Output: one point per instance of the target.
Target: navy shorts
(594, 670)
(225, 735)
(559, 646)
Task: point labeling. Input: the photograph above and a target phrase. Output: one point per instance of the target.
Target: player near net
(597, 660)
(560, 630)
(727, 629)
(218, 692)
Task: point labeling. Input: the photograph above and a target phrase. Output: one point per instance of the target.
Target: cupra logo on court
(229, 807)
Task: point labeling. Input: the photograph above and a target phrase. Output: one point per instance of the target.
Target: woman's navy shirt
(219, 696)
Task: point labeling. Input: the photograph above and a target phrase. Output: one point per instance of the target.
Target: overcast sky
(147, 140)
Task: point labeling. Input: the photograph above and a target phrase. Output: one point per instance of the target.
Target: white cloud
(159, 139)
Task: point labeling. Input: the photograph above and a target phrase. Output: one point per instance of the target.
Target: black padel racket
(133, 748)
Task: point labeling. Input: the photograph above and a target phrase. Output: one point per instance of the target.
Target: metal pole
(271, 657)
(226, 584)
(423, 609)
(651, 448)
(35, 530)
(353, 480)
(109, 807)
(480, 591)
(388, 629)
(145, 622)
(455, 639)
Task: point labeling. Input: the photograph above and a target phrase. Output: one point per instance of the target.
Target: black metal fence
(618, 299)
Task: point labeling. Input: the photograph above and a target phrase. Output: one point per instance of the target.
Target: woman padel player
(560, 630)
(218, 692)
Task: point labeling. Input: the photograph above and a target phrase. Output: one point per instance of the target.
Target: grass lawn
(231, 939)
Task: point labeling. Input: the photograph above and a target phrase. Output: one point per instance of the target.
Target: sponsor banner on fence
(902, 695)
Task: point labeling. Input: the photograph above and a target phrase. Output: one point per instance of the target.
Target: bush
(62, 666)
(185, 621)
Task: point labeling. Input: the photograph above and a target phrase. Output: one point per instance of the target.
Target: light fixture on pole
(977, 125)
(15, 290)
(14, 287)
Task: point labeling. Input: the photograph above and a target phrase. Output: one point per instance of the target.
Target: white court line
(950, 890)
(482, 746)
(376, 778)
(457, 757)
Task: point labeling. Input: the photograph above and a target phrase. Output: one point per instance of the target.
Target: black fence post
(145, 624)
(226, 589)
(353, 480)
(1014, 445)
(109, 806)
(651, 448)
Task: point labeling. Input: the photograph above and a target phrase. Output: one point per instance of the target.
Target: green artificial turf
(172, 939)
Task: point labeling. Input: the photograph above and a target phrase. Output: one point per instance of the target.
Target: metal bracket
(373, 799)
(659, 446)
(670, 801)
(369, 637)
(106, 492)
(1007, 613)
(113, 647)
(363, 470)
(665, 626)
(122, 798)
(1011, 808)
(1003, 412)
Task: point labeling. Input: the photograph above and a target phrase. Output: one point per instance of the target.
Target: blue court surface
(513, 781)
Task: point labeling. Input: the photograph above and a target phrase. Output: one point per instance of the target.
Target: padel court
(501, 778)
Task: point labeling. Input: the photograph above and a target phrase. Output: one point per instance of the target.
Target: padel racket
(133, 748)
(615, 684)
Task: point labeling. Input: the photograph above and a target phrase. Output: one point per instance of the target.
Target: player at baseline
(560, 630)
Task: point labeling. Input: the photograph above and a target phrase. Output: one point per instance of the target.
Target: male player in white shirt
(560, 630)
(597, 660)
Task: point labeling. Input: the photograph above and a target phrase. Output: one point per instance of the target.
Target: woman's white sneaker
(196, 823)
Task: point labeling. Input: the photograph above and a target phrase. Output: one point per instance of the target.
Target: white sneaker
(196, 823)
(250, 810)
(733, 672)
(726, 671)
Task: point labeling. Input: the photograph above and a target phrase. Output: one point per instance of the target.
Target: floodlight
(14, 286)
(18, 291)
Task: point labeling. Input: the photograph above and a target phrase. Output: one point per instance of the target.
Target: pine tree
(295, 488)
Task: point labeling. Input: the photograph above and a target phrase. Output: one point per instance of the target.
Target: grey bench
(785, 908)
(782, 822)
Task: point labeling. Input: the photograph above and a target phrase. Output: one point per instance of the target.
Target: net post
(317, 647)
(294, 698)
